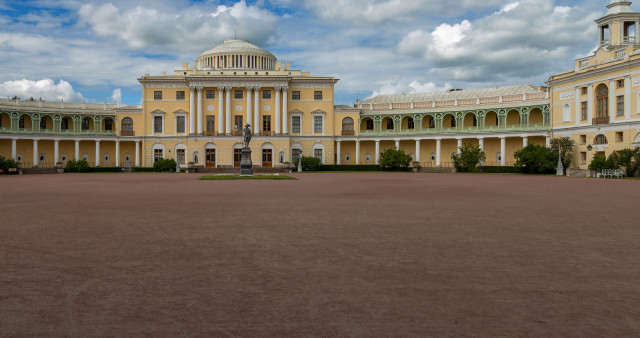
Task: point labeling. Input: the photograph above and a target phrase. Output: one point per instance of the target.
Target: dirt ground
(336, 254)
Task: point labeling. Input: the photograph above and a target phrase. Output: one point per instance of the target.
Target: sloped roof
(453, 95)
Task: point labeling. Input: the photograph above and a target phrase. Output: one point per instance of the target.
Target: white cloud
(46, 89)
(116, 95)
(412, 87)
(191, 29)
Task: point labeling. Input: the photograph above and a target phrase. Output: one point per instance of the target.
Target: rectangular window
(266, 95)
(295, 124)
(410, 124)
(211, 94)
(238, 123)
(317, 124)
(295, 95)
(180, 158)
(157, 155)
(620, 101)
(108, 124)
(583, 91)
(369, 124)
(317, 153)
(266, 123)
(389, 124)
(43, 123)
(180, 95)
(64, 124)
(583, 157)
(583, 139)
(238, 94)
(619, 136)
(211, 123)
(157, 124)
(619, 83)
(317, 95)
(180, 124)
(85, 124)
(157, 95)
(584, 110)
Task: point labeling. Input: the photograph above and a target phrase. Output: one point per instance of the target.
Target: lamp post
(560, 168)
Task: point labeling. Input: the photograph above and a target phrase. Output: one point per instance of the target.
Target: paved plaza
(336, 254)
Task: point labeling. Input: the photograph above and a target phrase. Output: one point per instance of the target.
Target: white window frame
(154, 114)
(319, 146)
(177, 114)
(321, 114)
(299, 115)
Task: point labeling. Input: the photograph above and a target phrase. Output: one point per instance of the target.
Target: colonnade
(438, 161)
(225, 124)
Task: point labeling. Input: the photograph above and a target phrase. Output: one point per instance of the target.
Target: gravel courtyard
(336, 254)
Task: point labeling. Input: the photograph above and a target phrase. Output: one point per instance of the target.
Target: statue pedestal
(246, 166)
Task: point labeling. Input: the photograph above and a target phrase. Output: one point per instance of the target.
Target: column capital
(199, 89)
(192, 89)
(285, 89)
(459, 138)
(502, 137)
(220, 89)
(228, 88)
(417, 139)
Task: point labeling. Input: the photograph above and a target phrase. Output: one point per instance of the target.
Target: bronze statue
(246, 135)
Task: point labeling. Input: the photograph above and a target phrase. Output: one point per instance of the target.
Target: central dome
(236, 54)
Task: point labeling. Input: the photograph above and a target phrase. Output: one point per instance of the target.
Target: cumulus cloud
(192, 29)
(116, 95)
(409, 88)
(522, 40)
(46, 89)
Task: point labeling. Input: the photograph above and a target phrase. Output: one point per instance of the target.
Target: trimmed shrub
(143, 169)
(535, 159)
(310, 163)
(73, 166)
(501, 170)
(105, 170)
(165, 165)
(392, 159)
(6, 163)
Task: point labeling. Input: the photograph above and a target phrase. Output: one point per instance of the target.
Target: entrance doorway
(237, 156)
(267, 158)
(210, 155)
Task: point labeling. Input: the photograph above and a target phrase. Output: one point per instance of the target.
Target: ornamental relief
(310, 85)
(635, 81)
(569, 94)
(238, 84)
(165, 85)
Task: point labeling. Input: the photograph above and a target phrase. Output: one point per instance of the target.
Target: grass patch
(235, 177)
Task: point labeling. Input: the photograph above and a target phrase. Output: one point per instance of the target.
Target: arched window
(602, 101)
(85, 123)
(600, 139)
(410, 124)
(127, 126)
(347, 124)
(453, 121)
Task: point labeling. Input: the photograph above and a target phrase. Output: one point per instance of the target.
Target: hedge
(347, 167)
(502, 170)
(104, 170)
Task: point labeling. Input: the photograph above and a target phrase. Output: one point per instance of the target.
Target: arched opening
(158, 152)
(87, 124)
(296, 153)
(387, 123)
(366, 124)
(46, 123)
(196, 157)
(428, 122)
(600, 139)
(602, 101)
(449, 121)
(513, 118)
(126, 127)
(210, 155)
(24, 123)
(491, 119)
(347, 126)
(66, 123)
(267, 155)
(536, 117)
(408, 123)
(107, 124)
(5, 121)
(347, 158)
(470, 120)
(318, 151)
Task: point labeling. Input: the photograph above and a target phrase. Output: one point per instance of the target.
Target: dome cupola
(236, 54)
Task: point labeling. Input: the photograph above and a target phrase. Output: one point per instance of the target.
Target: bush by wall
(310, 163)
(165, 165)
(80, 166)
(502, 170)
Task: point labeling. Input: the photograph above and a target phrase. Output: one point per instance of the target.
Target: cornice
(601, 70)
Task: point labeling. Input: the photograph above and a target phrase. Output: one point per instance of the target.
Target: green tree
(310, 163)
(629, 160)
(392, 159)
(535, 159)
(598, 162)
(469, 158)
(6, 163)
(566, 146)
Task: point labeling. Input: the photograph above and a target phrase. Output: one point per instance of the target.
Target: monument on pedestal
(246, 166)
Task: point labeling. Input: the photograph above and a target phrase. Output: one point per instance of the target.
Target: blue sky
(95, 50)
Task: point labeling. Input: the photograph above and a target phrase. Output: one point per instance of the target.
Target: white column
(377, 151)
(137, 153)
(77, 153)
(35, 153)
(548, 142)
(97, 153)
(525, 141)
(277, 110)
(285, 113)
(199, 122)
(357, 151)
(14, 151)
(612, 101)
(417, 159)
(338, 152)
(192, 111)
(438, 148)
(397, 144)
(459, 146)
(503, 149)
(249, 114)
(256, 111)
(578, 106)
(481, 143)
(220, 111)
(117, 153)
(590, 105)
(227, 109)
(627, 96)
(56, 150)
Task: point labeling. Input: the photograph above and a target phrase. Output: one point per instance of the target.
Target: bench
(617, 173)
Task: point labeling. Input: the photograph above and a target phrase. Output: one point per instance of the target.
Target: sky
(96, 50)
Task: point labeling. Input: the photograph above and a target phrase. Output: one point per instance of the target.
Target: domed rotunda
(236, 54)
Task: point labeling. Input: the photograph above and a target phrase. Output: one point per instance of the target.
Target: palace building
(195, 115)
